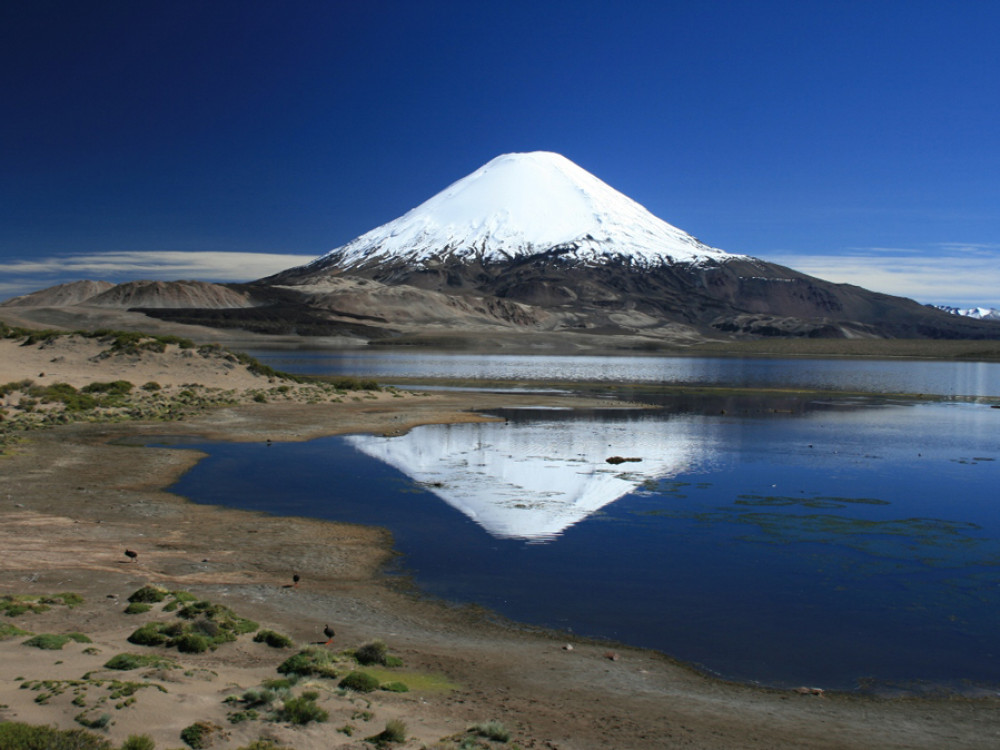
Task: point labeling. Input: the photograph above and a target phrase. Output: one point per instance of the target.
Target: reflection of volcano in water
(533, 480)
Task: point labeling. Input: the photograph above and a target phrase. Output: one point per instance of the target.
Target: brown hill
(71, 293)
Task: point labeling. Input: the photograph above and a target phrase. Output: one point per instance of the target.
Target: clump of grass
(199, 734)
(302, 710)
(263, 696)
(149, 634)
(279, 683)
(179, 599)
(225, 618)
(148, 595)
(137, 608)
(15, 605)
(114, 388)
(273, 639)
(18, 736)
(395, 687)
(67, 599)
(491, 730)
(395, 731)
(125, 662)
(192, 643)
(263, 744)
(309, 661)
(208, 626)
(238, 717)
(372, 653)
(65, 394)
(139, 742)
(361, 682)
(8, 631)
(99, 722)
(52, 642)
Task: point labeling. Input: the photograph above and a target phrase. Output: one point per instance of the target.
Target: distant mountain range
(532, 245)
(978, 313)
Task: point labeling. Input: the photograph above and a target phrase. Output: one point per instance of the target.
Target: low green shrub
(361, 682)
(148, 635)
(18, 736)
(48, 641)
(279, 683)
(208, 626)
(396, 687)
(139, 742)
(263, 744)
(238, 717)
(372, 653)
(491, 730)
(64, 393)
(67, 599)
(11, 631)
(309, 661)
(273, 639)
(114, 388)
(395, 731)
(301, 710)
(148, 595)
(125, 662)
(13, 605)
(192, 643)
(137, 608)
(199, 734)
(99, 722)
(224, 617)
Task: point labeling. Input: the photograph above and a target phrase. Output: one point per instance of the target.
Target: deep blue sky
(855, 140)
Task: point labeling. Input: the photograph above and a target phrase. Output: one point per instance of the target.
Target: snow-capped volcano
(521, 205)
(533, 244)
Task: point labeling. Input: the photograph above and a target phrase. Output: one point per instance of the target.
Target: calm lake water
(842, 542)
(867, 376)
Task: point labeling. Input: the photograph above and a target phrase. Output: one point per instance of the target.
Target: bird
(132, 555)
(328, 632)
(295, 580)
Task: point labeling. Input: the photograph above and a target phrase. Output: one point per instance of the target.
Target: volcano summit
(519, 206)
(534, 242)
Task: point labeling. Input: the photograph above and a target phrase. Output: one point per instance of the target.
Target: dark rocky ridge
(741, 297)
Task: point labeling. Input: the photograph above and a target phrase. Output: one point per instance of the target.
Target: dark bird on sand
(295, 581)
(328, 632)
(132, 555)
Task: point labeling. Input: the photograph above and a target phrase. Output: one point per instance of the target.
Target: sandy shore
(72, 498)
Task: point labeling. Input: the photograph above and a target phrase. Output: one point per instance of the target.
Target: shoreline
(548, 696)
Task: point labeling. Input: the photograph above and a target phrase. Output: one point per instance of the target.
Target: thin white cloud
(24, 276)
(961, 274)
(213, 266)
(964, 275)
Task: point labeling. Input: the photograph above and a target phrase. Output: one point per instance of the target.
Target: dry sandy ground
(78, 360)
(72, 499)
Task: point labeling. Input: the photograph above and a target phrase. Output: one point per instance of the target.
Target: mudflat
(74, 497)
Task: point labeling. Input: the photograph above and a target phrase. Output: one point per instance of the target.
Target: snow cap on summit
(524, 204)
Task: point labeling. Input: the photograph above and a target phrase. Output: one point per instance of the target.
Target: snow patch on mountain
(979, 313)
(520, 205)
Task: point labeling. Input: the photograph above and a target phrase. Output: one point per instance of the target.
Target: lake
(842, 542)
(858, 375)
